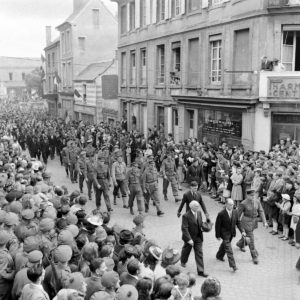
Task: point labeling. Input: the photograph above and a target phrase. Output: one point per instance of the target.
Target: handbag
(207, 226)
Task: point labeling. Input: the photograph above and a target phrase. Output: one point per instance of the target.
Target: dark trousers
(105, 195)
(73, 171)
(136, 192)
(241, 243)
(185, 253)
(52, 151)
(225, 248)
(89, 184)
(81, 181)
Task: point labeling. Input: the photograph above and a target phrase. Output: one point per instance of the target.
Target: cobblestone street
(275, 277)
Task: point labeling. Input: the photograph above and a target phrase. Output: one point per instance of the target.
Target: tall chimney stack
(48, 35)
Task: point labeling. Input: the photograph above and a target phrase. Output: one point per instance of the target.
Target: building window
(64, 74)
(81, 43)
(176, 64)
(53, 59)
(123, 68)
(193, 5)
(63, 47)
(175, 114)
(160, 10)
(96, 18)
(84, 92)
(215, 61)
(290, 55)
(191, 117)
(132, 16)
(23, 76)
(49, 83)
(132, 67)
(193, 62)
(175, 8)
(161, 64)
(143, 13)
(68, 40)
(10, 74)
(123, 19)
(49, 60)
(143, 65)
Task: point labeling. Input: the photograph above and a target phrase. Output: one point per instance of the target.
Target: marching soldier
(89, 149)
(82, 169)
(90, 170)
(150, 187)
(73, 152)
(101, 182)
(64, 158)
(118, 175)
(168, 168)
(133, 177)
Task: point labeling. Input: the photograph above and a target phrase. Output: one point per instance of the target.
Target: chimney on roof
(48, 35)
(78, 4)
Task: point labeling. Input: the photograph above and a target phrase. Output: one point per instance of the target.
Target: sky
(22, 24)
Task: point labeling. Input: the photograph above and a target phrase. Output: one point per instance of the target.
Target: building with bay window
(195, 66)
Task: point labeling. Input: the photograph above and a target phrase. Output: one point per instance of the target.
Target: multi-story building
(87, 36)
(52, 80)
(194, 66)
(97, 93)
(13, 71)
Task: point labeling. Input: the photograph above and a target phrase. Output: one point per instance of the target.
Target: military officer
(150, 186)
(82, 169)
(248, 212)
(101, 182)
(168, 169)
(133, 177)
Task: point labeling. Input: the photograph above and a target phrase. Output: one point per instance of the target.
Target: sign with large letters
(284, 87)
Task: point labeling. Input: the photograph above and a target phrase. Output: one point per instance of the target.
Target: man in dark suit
(226, 222)
(188, 197)
(192, 236)
(131, 276)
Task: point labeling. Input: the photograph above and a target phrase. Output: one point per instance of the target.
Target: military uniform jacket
(118, 171)
(168, 167)
(82, 167)
(90, 150)
(133, 177)
(90, 170)
(73, 154)
(101, 173)
(150, 177)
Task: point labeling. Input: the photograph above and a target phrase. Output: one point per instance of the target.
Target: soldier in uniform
(90, 169)
(168, 169)
(73, 152)
(27, 227)
(89, 149)
(118, 174)
(101, 182)
(64, 158)
(150, 186)
(248, 212)
(133, 177)
(82, 169)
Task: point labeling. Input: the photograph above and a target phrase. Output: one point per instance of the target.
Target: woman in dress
(237, 192)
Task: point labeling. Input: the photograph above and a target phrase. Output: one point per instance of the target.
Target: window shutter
(148, 12)
(167, 9)
(137, 13)
(154, 10)
(128, 16)
(182, 7)
(204, 3)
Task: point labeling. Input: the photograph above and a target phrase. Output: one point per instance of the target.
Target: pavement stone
(274, 278)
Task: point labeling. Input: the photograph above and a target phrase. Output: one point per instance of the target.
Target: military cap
(138, 220)
(4, 237)
(27, 214)
(65, 238)
(35, 256)
(31, 243)
(73, 229)
(46, 224)
(63, 253)
(46, 175)
(11, 219)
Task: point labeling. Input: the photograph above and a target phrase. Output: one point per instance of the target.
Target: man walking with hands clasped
(225, 227)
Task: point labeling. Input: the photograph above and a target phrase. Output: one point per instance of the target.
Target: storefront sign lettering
(284, 88)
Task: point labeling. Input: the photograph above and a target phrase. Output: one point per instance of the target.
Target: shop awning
(216, 101)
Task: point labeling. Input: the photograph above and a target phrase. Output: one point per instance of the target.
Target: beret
(109, 279)
(35, 256)
(4, 237)
(71, 219)
(11, 219)
(46, 224)
(65, 238)
(31, 243)
(63, 253)
(73, 229)
(27, 214)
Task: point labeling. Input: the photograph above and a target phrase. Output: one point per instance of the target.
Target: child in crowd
(181, 290)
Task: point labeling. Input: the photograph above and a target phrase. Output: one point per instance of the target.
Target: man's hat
(126, 236)
(156, 252)
(170, 256)
(95, 220)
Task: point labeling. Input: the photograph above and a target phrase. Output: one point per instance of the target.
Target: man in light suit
(226, 222)
(188, 197)
(192, 236)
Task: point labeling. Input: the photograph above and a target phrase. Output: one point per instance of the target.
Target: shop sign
(284, 87)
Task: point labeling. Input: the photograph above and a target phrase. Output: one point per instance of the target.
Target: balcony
(282, 3)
